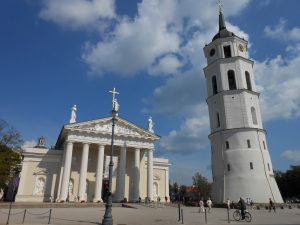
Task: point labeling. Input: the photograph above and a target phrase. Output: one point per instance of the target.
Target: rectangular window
(248, 144)
(264, 145)
(228, 167)
(227, 51)
(251, 166)
(218, 120)
(227, 145)
(269, 167)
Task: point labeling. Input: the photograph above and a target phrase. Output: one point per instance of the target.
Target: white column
(136, 175)
(150, 175)
(167, 184)
(121, 174)
(99, 174)
(83, 171)
(66, 172)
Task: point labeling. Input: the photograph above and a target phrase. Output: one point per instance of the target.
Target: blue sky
(57, 53)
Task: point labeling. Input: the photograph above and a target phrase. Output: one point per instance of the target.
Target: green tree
(203, 185)
(10, 141)
(289, 182)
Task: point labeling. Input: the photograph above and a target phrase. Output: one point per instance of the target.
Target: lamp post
(178, 194)
(107, 218)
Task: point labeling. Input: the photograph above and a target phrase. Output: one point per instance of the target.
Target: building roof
(223, 32)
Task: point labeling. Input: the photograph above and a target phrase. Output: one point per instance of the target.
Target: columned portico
(150, 175)
(99, 174)
(136, 175)
(66, 172)
(83, 171)
(121, 174)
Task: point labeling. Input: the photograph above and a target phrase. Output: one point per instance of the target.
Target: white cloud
(77, 14)
(166, 66)
(191, 136)
(28, 144)
(282, 33)
(292, 155)
(278, 80)
(160, 29)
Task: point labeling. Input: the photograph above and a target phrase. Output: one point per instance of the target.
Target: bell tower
(241, 163)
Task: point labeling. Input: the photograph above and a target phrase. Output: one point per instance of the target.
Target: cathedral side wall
(40, 175)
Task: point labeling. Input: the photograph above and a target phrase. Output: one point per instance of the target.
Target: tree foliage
(9, 136)
(203, 185)
(289, 182)
(9, 160)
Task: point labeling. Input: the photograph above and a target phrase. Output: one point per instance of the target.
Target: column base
(97, 200)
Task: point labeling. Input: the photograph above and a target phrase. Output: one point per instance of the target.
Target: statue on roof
(150, 125)
(73, 114)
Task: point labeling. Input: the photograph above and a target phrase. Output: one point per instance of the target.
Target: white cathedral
(76, 170)
(241, 163)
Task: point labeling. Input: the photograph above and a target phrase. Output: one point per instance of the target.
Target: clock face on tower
(241, 47)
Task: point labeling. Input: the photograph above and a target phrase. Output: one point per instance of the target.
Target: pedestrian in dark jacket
(242, 206)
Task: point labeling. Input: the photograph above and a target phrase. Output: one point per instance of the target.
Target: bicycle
(237, 215)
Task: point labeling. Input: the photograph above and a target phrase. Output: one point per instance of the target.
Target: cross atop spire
(220, 4)
(114, 100)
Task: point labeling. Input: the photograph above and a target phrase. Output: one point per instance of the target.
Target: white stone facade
(241, 163)
(75, 169)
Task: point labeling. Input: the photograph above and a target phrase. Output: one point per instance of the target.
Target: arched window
(269, 167)
(231, 80)
(264, 144)
(248, 81)
(228, 167)
(253, 113)
(214, 85)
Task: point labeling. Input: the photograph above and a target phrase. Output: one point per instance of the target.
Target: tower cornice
(229, 92)
(227, 60)
(240, 129)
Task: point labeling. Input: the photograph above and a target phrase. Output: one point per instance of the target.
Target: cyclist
(242, 206)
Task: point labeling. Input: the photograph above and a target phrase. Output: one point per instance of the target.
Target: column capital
(86, 143)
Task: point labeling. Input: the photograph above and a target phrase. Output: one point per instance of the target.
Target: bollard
(50, 216)
(181, 216)
(7, 222)
(205, 216)
(228, 215)
(24, 216)
(179, 212)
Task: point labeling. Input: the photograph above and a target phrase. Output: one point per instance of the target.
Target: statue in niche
(150, 125)
(71, 187)
(39, 186)
(73, 114)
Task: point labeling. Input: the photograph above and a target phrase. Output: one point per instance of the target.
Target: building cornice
(226, 60)
(241, 129)
(229, 92)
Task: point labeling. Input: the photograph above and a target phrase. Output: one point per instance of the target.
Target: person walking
(228, 203)
(201, 206)
(209, 204)
(271, 205)
(242, 206)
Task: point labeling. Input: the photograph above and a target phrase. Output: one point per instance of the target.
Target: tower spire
(221, 17)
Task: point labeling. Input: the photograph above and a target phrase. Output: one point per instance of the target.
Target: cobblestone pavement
(144, 215)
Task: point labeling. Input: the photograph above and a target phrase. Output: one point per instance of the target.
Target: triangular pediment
(104, 126)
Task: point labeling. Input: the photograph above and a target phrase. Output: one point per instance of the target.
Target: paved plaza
(144, 215)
